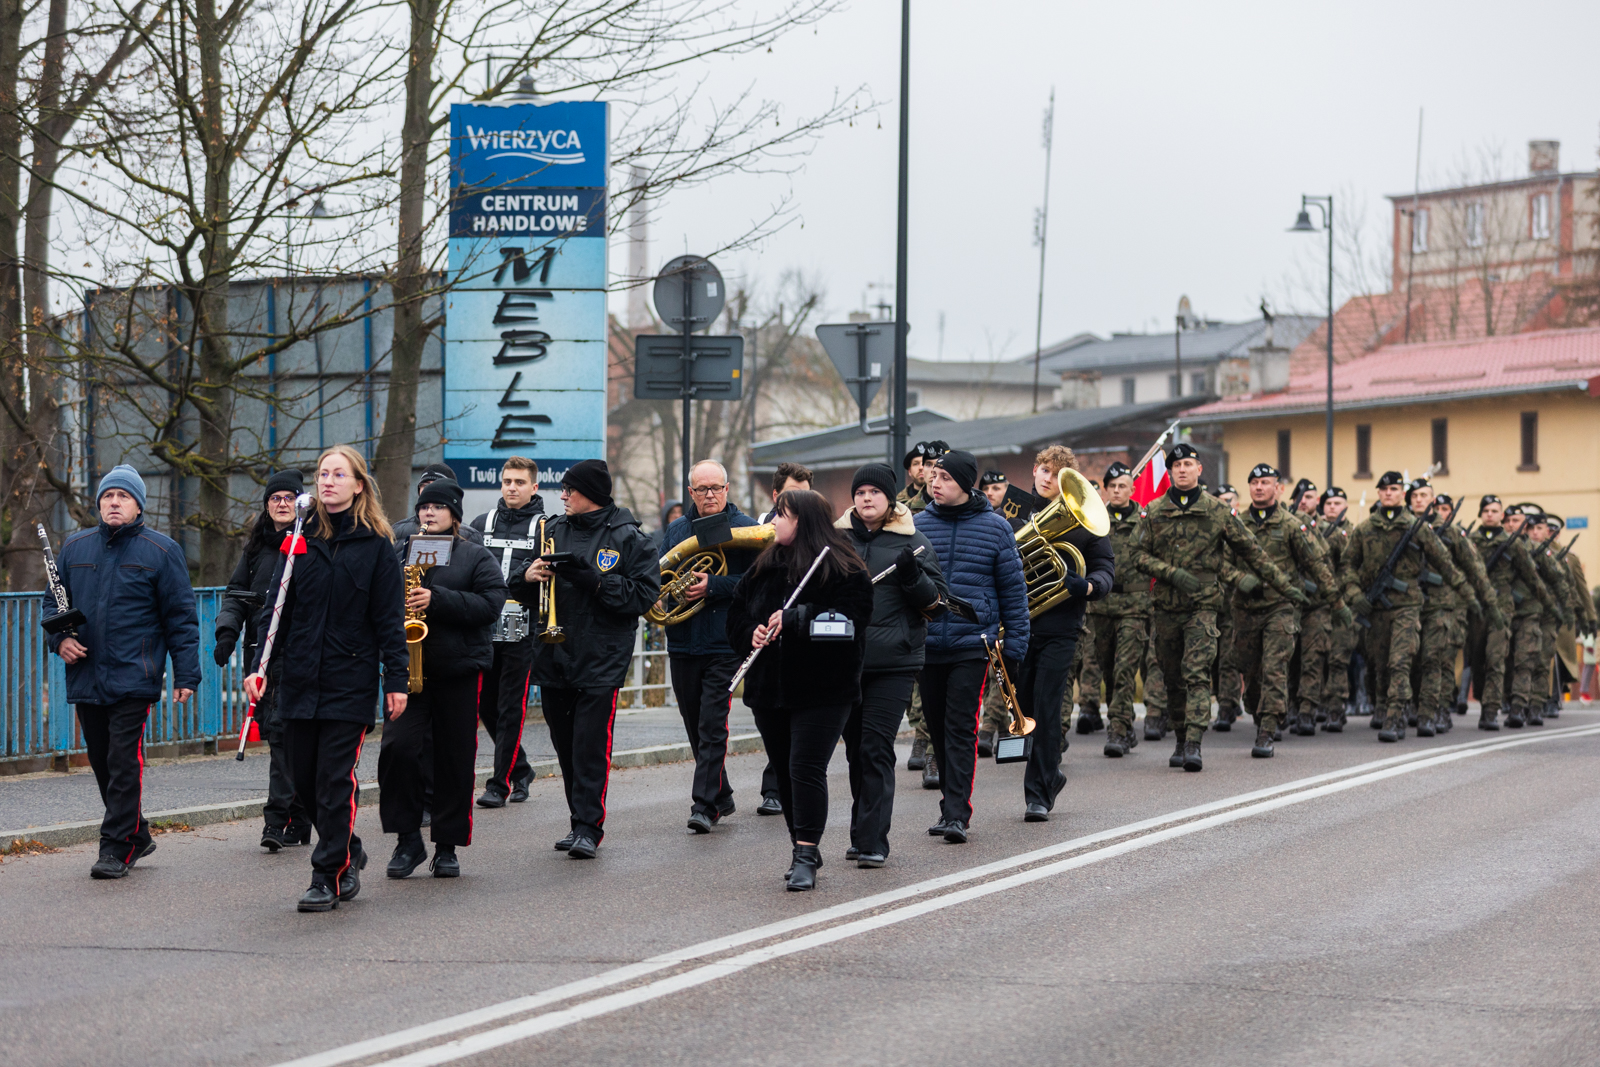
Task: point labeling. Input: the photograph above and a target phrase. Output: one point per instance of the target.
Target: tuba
(1047, 558)
(683, 566)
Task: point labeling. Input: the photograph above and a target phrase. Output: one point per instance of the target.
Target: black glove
(906, 571)
(580, 572)
(226, 640)
(1077, 585)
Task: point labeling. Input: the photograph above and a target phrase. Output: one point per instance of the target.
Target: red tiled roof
(1524, 362)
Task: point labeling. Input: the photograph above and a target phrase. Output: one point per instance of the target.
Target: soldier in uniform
(1396, 629)
(1556, 578)
(1582, 603)
(1179, 541)
(1305, 502)
(1444, 615)
(1121, 621)
(1334, 528)
(1227, 679)
(1509, 657)
(1265, 624)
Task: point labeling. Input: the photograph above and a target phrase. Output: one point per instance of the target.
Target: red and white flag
(1152, 481)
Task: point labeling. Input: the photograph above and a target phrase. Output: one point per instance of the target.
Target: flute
(881, 575)
(787, 604)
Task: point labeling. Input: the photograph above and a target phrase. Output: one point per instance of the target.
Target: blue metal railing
(36, 720)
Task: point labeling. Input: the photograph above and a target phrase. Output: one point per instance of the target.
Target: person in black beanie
(287, 822)
(604, 577)
(884, 535)
(406, 528)
(461, 601)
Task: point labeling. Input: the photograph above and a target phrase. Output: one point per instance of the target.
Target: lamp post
(1303, 224)
(898, 428)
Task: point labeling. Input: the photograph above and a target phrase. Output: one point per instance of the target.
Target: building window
(1475, 224)
(1539, 216)
(1441, 445)
(1530, 441)
(1419, 230)
(1174, 385)
(1197, 384)
(1363, 451)
(1283, 453)
(1128, 385)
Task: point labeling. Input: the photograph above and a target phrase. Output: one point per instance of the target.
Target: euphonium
(686, 562)
(552, 634)
(1047, 558)
(416, 630)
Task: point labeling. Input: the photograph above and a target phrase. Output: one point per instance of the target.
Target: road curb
(61, 835)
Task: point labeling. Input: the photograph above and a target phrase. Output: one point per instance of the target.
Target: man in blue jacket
(133, 585)
(702, 663)
(978, 557)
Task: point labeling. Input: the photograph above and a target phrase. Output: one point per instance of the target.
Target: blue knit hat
(125, 478)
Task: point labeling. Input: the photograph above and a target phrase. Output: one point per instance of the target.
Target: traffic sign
(689, 288)
(861, 351)
(716, 368)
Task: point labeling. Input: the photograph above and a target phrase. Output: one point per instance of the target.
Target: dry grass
(25, 848)
(170, 826)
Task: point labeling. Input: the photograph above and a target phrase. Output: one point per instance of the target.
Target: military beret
(1304, 486)
(1530, 509)
(1514, 509)
(1485, 500)
(918, 451)
(1117, 470)
(1225, 488)
(1445, 500)
(1334, 491)
(1182, 451)
(1391, 478)
(1263, 470)
(1554, 521)
(1417, 483)
(992, 478)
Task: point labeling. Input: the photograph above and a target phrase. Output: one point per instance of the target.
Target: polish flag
(1152, 481)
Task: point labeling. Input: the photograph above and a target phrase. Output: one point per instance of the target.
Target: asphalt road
(1347, 902)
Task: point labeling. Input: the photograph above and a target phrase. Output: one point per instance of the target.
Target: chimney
(639, 260)
(1544, 158)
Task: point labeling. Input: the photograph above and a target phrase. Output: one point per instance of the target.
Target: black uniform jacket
(800, 672)
(601, 612)
(252, 575)
(467, 598)
(344, 616)
(510, 524)
(899, 630)
(1100, 568)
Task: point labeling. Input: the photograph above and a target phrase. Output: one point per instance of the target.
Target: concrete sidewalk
(63, 809)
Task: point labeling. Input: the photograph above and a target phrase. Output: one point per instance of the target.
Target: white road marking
(1205, 816)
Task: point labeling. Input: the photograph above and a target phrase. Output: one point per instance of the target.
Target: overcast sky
(1184, 136)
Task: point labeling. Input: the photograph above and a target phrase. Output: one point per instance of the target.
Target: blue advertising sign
(525, 319)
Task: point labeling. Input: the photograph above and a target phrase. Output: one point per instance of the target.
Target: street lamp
(1303, 224)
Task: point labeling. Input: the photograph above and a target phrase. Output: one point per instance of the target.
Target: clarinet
(67, 618)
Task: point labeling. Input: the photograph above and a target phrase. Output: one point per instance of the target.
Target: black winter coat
(467, 598)
(706, 634)
(252, 575)
(344, 615)
(897, 638)
(599, 605)
(799, 672)
(1100, 568)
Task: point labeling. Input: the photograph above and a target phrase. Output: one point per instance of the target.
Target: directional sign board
(689, 287)
(716, 369)
(525, 313)
(863, 352)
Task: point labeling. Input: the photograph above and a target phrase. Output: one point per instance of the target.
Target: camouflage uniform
(914, 499)
(1180, 539)
(1155, 695)
(1341, 639)
(1230, 682)
(1395, 631)
(1557, 579)
(1121, 632)
(1265, 623)
(1494, 668)
(1444, 632)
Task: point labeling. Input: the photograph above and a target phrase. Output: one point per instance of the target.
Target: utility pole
(1041, 227)
(899, 428)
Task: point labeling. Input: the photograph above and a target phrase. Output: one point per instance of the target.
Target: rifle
(1468, 531)
(1504, 547)
(1562, 555)
(1377, 594)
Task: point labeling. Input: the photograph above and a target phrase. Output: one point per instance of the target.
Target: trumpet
(684, 565)
(552, 634)
(1047, 557)
(1020, 725)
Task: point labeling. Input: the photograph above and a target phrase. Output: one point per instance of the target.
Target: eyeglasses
(708, 490)
(332, 476)
(281, 498)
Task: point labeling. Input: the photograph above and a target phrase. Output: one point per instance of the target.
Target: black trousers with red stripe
(1046, 673)
(114, 736)
(446, 714)
(952, 699)
(503, 707)
(580, 722)
(701, 686)
(323, 754)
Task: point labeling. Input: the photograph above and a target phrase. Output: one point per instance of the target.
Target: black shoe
(519, 792)
(1486, 721)
(770, 806)
(409, 853)
(871, 859)
(272, 838)
(919, 754)
(1263, 745)
(149, 847)
(803, 872)
(1335, 720)
(930, 774)
(566, 842)
(1036, 813)
(699, 822)
(1534, 718)
(1191, 756)
(1320, 716)
(1377, 720)
(493, 799)
(297, 834)
(852, 853)
(107, 867)
(1554, 710)
(1226, 717)
(1394, 729)
(1176, 759)
(938, 828)
(985, 743)
(1090, 721)
(445, 864)
(320, 897)
(350, 880)
(1152, 728)
(723, 813)
(583, 847)
(1425, 728)
(1117, 745)
(1411, 716)
(1277, 735)
(955, 832)
(1308, 724)
(1514, 719)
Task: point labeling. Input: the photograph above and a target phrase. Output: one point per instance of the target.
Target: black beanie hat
(289, 480)
(592, 478)
(962, 466)
(433, 472)
(441, 491)
(878, 475)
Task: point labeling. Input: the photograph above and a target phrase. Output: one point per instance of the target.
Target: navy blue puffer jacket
(978, 557)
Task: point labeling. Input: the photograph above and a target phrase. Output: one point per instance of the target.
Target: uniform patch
(607, 558)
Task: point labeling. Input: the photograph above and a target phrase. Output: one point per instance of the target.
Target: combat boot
(930, 773)
(1553, 709)
(1263, 746)
(1191, 755)
(1116, 743)
(1411, 715)
(1534, 717)
(1319, 716)
(1425, 727)
(1442, 721)
(1176, 759)
(1089, 721)
(1394, 727)
(1486, 719)
(1154, 726)
(1379, 717)
(1227, 715)
(1306, 726)
(919, 755)
(1337, 717)
(1514, 719)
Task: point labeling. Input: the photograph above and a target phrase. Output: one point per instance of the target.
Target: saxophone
(416, 630)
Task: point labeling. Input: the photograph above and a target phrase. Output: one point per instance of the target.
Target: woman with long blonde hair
(343, 616)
